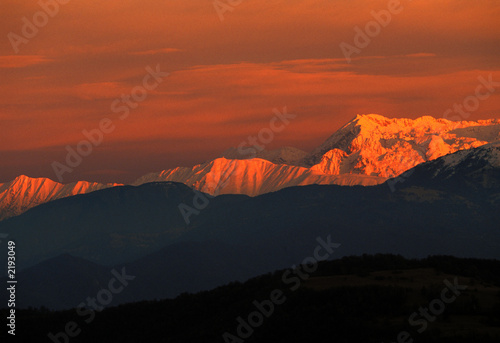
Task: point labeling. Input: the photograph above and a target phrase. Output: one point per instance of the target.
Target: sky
(230, 65)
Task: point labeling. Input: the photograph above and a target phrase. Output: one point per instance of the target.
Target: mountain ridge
(367, 150)
(417, 217)
(251, 177)
(23, 193)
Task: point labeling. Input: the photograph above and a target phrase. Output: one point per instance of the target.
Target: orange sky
(226, 77)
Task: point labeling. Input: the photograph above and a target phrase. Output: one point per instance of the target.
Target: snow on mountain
(286, 155)
(379, 146)
(463, 172)
(486, 157)
(24, 192)
(366, 151)
(251, 177)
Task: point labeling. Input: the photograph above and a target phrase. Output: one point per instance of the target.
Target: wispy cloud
(421, 54)
(21, 61)
(155, 51)
(100, 90)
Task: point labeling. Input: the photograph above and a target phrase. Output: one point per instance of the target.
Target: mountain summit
(379, 146)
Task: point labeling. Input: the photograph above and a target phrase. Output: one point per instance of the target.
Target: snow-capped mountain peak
(25, 192)
(376, 145)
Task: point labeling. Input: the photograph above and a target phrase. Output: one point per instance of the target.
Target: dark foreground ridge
(371, 298)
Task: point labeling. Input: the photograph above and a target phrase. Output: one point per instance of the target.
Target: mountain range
(68, 246)
(366, 151)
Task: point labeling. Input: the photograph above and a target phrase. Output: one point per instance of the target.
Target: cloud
(155, 51)
(421, 54)
(100, 90)
(22, 61)
(226, 102)
(229, 75)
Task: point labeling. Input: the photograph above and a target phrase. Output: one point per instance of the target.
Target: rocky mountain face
(252, 177)
(379, 146)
